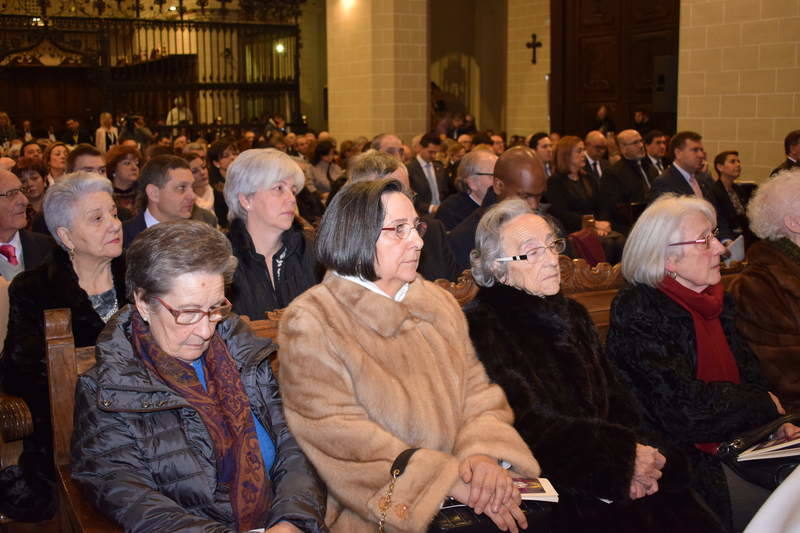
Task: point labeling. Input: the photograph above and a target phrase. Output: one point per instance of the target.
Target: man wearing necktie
(628, 181)
(427, 176)
(655, 145)
(596, 146)
(685, 177)
(20, 250)
(791, 145)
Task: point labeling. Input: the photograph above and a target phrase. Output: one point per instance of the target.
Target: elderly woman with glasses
(87, 276)
(179, 425)
(569, 406)
(381, 384)
(673, 337)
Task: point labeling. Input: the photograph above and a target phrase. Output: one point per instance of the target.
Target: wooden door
(622, 53)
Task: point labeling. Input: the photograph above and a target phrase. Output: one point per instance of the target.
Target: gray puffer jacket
(144, 456)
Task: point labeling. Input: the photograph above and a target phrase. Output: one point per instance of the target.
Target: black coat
(146, 459)
(739, 224)
(37, 249)
(23, 366)
(419, 184)
(436, 260)
(569, 201)
(462, 237)
(455, 209)
(294, 267)
(580, 422)
(651, 341)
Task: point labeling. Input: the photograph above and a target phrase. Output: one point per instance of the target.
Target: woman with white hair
(276, 257)
(674, 339)
(767, 292)
(87, 276)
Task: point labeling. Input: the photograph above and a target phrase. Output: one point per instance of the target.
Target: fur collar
(784, 268)
(547, 315)
(381, 314)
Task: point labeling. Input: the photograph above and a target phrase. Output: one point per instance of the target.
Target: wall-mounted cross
(533, 45)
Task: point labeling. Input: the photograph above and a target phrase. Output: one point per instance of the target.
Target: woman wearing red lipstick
(276, 257)
(674, 338)
(86, 275)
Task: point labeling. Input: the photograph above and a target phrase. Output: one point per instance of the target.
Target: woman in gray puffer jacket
(179, 426)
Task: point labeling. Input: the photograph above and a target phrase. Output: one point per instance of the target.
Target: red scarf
(225, 411)
(715, 360)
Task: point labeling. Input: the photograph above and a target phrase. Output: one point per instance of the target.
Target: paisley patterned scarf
(225, 411)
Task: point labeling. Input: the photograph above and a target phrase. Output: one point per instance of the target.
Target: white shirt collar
(655, 160)
(149, 219)
(422, 162)
(792, 159)
(590, 160)
(686, 175)
(399, 297)
(16, 242)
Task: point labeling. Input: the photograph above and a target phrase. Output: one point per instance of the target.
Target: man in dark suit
(475, 177)
(628, 181)
(427, 176)
(74, 134)
(685, 176)
(596, 163)
(166, 194)
(20, 250)
(655, 145)
(791, 145)
(542, 145)
(518, 173)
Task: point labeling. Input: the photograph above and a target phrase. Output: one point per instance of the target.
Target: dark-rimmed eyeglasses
(404, 230)
(557, 246)
(705, 241)
(14, 192)
(187, 317)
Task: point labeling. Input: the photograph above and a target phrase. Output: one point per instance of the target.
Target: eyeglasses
(557, 246)
(187, 317)
(704, 241)
(404, 230)
(13, 192)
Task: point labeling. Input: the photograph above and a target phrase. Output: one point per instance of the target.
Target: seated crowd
(392, 398)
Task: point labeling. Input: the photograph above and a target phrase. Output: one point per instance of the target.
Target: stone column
(377, 67)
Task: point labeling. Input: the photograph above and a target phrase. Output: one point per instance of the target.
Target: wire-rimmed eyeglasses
(557, 246)
(404, 230)
(705, 240)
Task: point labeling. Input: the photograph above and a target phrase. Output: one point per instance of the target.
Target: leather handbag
(767, 473)
(457, 518)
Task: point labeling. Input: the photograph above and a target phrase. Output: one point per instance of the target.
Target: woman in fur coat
(378, 375)
(580, 422)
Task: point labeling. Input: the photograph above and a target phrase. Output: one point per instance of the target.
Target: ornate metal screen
(229, 65)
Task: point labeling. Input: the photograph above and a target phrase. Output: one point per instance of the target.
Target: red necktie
(10, 253)
(695, 187)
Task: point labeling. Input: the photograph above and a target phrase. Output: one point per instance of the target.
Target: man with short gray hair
(475, 177)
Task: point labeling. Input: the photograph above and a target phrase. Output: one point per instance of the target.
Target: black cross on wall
(533, 45)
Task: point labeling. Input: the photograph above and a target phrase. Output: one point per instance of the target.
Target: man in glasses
(20, 250)
(475, 177)
(518, 173)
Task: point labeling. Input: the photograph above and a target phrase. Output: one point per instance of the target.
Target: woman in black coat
(276, 256)
(542, 348)
(87, 276)
(572, 193)
(674, 339)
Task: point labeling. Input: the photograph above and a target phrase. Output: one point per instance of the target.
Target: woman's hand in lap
(490, 484)
(646, 471)
(787, 431)
(510, 518)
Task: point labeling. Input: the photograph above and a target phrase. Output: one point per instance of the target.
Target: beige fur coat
(364, 377)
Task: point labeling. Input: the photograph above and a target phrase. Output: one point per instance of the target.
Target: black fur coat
(580, 422)
(652, 342)
(23, 370)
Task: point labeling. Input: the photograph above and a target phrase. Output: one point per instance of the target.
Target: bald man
(20, 250)
(596, 147)
(518, 173)
(628, 181)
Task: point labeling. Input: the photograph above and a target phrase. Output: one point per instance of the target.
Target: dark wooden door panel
(612, 52)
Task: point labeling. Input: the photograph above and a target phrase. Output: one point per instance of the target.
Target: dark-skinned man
(518, 173)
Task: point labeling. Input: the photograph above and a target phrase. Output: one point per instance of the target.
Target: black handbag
(767, 473)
